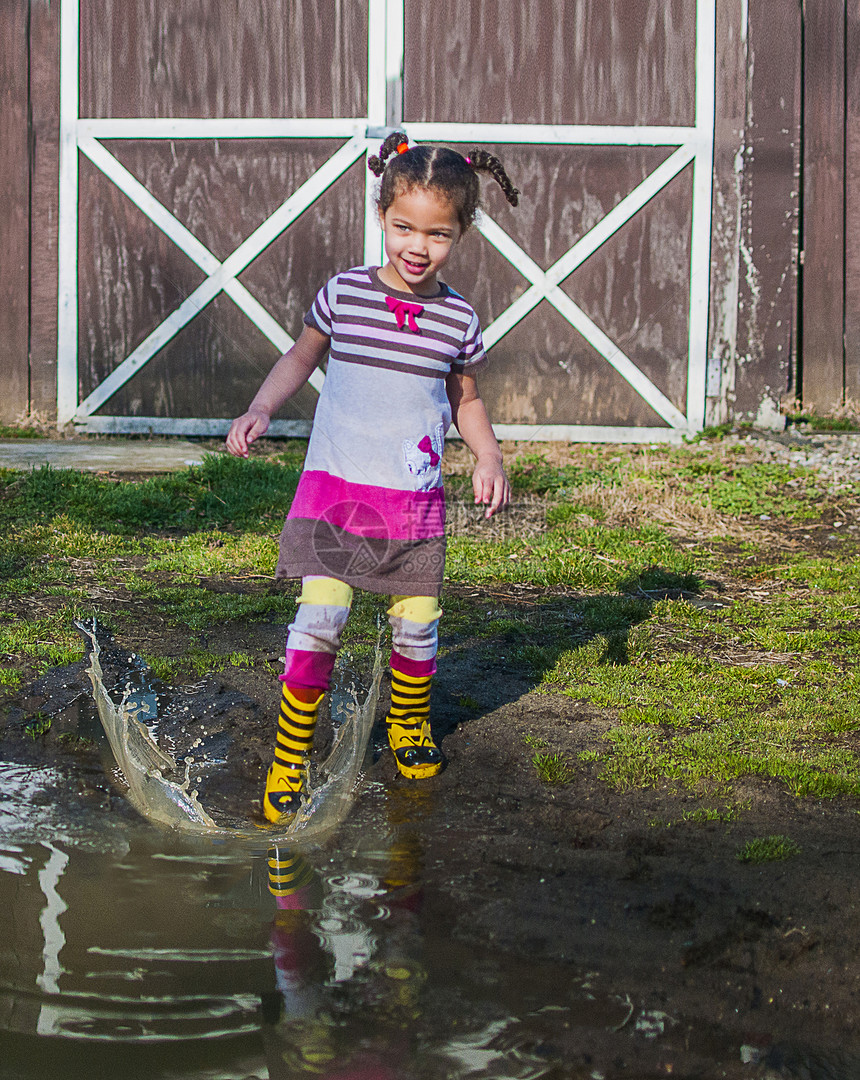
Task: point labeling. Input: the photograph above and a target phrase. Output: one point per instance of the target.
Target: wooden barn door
(195, 136)
(831, 205)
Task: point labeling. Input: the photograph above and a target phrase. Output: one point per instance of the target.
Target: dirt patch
(628, 886)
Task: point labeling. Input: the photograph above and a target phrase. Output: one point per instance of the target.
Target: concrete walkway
(132, 456)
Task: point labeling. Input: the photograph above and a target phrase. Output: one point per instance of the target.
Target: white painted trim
(619, 360)
(67, 239)
(581, 250)
(146, 127)
(377, 91)
(586, 433)
(374, 247)
(215, 427)
(550, 134)
(384, 97)
(150, 127)
(395, 17)
(145, 201)
(232, 266)
(171, 425)
(700, 240)
(622, 212)
(376, 31)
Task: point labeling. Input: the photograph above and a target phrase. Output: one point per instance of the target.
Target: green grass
(37, 727)
(198, 661)
(20, 431)
(763, 681)
(816, 422)
(532, 473)
(594, 557)
(553, 768)
(768, 849)
(49, 642)
(223, 492)
(74, 743)
(704, 815)
(754, 489)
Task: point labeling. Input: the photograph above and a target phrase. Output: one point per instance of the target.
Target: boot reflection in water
(303, 1036)
(398, 960)
(302, 968)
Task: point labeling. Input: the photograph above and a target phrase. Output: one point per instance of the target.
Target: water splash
(161, 790)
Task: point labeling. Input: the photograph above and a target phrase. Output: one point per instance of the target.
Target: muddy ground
(738, 961)
(751, 970)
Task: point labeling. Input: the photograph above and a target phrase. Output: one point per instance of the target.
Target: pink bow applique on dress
(426, 446)
(403, 311)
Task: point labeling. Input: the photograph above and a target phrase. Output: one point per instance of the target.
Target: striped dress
(370, 506)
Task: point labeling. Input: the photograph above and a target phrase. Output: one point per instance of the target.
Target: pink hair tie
(468, 161)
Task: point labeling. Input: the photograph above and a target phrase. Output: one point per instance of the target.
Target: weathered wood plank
(768, 249)
(14, 220)
(191, 58)
(852, 206)
(45, 149)
(729, 131)
(559, 61)
(823, 204)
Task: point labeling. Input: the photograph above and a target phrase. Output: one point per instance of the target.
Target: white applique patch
(424, 458)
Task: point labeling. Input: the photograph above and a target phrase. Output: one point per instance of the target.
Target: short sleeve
(321, 313)
(472, 355)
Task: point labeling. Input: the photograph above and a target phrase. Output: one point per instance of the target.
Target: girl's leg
(414, 621)
(312, 644)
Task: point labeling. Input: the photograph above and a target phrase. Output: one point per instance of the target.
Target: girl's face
(421, 230)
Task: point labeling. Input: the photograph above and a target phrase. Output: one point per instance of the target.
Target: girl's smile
(421, 230)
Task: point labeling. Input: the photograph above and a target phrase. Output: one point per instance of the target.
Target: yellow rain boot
(408, 726)
(286, 782)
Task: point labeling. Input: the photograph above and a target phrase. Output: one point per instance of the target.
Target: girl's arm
(288, 376)
(489, 482)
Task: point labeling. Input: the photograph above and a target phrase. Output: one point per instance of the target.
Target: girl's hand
(490, 485)
(246, 429)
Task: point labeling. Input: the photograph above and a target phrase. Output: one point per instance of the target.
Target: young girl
(369, 510)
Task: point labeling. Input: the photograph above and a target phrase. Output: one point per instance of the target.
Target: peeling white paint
(768, 416)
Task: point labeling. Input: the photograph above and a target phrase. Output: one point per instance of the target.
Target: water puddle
(192, 956)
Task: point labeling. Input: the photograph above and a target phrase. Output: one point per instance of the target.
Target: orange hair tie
(402, 147)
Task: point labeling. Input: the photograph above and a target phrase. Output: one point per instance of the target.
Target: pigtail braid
(376, 163)
(484, 161)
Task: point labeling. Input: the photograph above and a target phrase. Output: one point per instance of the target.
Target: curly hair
(440, 169)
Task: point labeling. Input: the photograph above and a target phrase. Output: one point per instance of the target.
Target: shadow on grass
(523, 640)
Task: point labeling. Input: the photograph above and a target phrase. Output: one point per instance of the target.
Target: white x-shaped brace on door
(223, 276)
